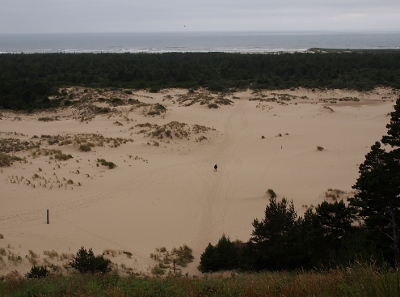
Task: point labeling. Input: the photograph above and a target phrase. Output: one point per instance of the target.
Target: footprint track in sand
(218, 187)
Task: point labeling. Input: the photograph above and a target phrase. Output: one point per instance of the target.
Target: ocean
(244, 42)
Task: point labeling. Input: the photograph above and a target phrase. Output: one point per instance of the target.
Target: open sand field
(163, 191)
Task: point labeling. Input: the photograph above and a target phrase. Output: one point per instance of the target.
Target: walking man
(215, 167)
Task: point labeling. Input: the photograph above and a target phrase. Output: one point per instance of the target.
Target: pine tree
(207, 260)
(85, 261)
(336, 222)
(393, 137)
(275, 236)
(377, 196)
(223, 256)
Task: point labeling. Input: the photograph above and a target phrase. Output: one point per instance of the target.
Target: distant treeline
(27, 80)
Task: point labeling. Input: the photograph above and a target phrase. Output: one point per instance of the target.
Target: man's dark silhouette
(215, 167)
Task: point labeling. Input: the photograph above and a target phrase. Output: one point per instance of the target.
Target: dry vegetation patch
(85, 141)
(88, 103)
(153, 109)
(264, 106)
(8, 145)
(327, 108)
(47, 119)
(16, 260)
(171, 262)
(6, 160)
(281, 99)
(343, 99)
(43, 181)
(171, 130)
(202, 97)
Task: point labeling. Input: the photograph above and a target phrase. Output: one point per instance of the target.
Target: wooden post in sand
(48, 217)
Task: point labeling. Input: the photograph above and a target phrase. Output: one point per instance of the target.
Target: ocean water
(245, 42)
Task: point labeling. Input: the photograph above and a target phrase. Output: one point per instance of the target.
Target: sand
(164, 192)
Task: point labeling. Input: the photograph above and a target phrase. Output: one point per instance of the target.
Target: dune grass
(7, 160)
(360, 280)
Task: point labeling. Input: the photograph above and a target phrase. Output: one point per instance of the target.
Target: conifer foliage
(393, 137)
(86, 262)
(223, 256)
(377, 197)
(275, 235)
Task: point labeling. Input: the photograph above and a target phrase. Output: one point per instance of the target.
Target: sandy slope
(164, 192)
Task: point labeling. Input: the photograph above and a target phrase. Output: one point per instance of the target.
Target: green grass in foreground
(361, 280)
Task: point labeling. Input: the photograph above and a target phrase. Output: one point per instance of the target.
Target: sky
(86, 16)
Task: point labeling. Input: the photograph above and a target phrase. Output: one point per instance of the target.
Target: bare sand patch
(163, 191)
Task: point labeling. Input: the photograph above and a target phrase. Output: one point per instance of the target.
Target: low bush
(103, 162)
(62, 157)
(37, 272)
(46, 119)
(183, 255)
(117, 101)
(103, 110)
(6, 160)
(85, 147)
(86, 262)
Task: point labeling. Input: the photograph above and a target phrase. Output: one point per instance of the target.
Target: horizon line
(214, 32)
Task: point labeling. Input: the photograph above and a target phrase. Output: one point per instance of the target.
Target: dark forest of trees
(27, 80)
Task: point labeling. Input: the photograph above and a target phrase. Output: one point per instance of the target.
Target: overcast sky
(59, 16)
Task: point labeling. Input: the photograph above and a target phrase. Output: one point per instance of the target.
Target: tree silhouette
(275, 236)
(223, 256)
(393, 137)
(377, 196)
(85, 261)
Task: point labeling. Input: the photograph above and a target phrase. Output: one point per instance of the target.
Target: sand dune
(163, 191)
